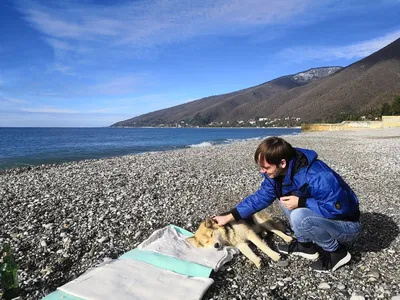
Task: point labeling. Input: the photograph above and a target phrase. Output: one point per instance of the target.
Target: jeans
(326, 233)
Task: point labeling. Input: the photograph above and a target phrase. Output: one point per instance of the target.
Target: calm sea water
(20, 147)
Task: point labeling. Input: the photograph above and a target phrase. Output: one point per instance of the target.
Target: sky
(91, 63)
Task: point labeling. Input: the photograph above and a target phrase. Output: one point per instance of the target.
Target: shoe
(306, 250)
(331, 261)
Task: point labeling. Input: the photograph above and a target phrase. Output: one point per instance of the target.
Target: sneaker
(306, 250)
(331, 261)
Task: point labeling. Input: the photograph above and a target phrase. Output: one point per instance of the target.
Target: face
(272, 171)
(206, 235)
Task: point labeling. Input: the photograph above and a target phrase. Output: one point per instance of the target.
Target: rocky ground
(63, 219)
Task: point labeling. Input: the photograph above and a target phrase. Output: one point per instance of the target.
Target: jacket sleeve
(328, 197)
(255, 202)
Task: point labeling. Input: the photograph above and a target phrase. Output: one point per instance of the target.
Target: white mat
(168, 241)
(131, 279)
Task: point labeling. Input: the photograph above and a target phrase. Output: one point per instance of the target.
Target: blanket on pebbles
(164, 266)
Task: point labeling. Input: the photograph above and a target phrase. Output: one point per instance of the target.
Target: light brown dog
(237, 234)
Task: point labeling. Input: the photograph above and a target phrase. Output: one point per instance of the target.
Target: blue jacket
(319, 188)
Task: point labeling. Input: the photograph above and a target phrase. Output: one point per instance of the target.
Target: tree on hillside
(386, 109)
(396, 106)
(391, 109)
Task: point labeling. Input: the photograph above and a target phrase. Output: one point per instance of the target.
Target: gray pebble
(287, 279)
(324, 286)
(373, 274)
(282, 263)
(341, 286)
(357, 297)
(49, 225)
(103, 239)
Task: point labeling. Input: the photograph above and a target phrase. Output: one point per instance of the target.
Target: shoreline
(362, 132)
(30, 162)
(278, 127)
(63, 219)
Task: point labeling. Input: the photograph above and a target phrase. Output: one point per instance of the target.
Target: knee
(298, 216)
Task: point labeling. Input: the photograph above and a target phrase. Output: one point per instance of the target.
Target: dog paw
(288, 239)
(276, 256)
(258, 263)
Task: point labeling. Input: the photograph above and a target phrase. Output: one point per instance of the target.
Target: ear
(192, 240)
(209, 223)
(283, 163)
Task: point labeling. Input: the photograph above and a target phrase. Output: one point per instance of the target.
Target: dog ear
(192, 240)
(209, 223)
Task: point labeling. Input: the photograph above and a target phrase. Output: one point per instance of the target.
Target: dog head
(206, 236)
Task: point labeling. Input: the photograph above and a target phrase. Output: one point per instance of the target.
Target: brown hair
(274, 149)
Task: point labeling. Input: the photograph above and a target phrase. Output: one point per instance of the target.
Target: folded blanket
(146, 272)
(169, 241)
(131, 279)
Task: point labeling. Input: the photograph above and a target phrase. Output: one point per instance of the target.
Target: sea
(24, 147)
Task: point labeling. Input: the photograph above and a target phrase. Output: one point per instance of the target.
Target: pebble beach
(63, 219)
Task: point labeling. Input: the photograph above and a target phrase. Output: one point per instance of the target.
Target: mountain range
(316, 95)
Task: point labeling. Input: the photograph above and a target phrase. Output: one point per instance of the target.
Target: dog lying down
(237, 234)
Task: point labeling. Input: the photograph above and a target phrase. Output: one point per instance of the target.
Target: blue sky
(92, 63)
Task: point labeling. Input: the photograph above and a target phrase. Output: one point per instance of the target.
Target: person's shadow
(378, 231)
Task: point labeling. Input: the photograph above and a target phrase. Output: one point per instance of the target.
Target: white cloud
(353, 51)
(58, 44)
(54, 110)
(136, 105)
(109, 109)
(16, 105)
(50, 110)
(2, 82)
(116, 86)
(63, 69)
(7, 102)
(58, 120)
(84, 33)
(144, 24)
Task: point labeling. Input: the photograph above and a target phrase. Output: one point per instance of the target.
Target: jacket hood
(311, 155)
(302, 159)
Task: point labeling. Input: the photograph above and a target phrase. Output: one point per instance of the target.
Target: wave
(222, 141)
(230, 141)
(202, 144)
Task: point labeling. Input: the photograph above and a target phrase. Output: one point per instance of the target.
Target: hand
(290, 202)
(222, 220)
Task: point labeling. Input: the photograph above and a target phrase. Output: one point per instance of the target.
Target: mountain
(226, 107)
(318, 94)
(358, 88)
